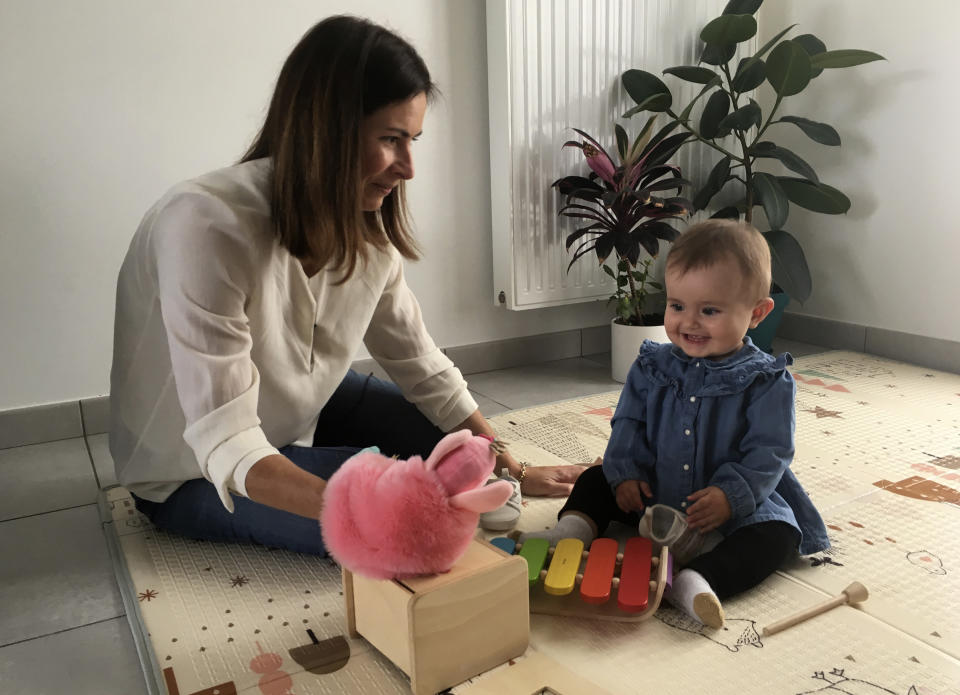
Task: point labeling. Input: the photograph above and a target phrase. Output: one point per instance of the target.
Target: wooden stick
(854, 593)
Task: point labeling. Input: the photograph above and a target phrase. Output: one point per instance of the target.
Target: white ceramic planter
(625, 343)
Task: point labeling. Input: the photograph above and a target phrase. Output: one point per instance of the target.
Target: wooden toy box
(443, 629)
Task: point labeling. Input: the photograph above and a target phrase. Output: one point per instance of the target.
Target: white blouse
(224, 350)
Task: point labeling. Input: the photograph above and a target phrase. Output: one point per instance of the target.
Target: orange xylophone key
(598, 574)
(634, 587)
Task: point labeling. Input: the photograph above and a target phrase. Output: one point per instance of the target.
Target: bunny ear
(483, 499)
(445, 446)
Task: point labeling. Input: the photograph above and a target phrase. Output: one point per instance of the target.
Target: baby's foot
(569, 526)
(692, 594)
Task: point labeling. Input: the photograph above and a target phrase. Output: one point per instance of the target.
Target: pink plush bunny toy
(387, 518)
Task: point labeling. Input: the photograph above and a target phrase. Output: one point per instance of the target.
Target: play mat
(878, 449)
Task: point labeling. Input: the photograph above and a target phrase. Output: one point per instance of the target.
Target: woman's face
(386, 141)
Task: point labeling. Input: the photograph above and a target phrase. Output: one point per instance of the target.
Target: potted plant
(788, 66)
(624, 214)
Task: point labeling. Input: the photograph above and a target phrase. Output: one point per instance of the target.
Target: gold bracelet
(498, 446)
(523, 472)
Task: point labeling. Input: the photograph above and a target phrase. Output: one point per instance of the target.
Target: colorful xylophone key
(534, 551)
(634, 590)
(598, 579)
(598, 574)
(564, 566)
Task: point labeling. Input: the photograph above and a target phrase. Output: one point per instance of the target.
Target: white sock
(692, 594)
(569, 526)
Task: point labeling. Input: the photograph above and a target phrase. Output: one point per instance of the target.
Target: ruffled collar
(667, 364)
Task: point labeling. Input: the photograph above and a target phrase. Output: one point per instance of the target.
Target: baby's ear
(483, 499)
(760, 311)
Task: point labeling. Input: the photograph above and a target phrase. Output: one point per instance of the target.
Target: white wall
(107, 103)
(892, 261)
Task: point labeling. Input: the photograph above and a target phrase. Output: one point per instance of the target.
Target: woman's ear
(760, 311)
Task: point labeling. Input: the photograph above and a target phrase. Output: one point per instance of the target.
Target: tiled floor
(63, 628)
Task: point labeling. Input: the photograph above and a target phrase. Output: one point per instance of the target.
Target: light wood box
(443, 629)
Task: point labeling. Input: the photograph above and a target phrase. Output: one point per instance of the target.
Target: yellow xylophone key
(562, 574)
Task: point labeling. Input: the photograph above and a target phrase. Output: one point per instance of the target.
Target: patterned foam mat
(878, 449)
(843, 651)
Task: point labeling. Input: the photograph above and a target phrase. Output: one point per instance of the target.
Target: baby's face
(709, 310)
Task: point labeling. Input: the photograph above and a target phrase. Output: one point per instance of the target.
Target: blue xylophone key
(507, 545)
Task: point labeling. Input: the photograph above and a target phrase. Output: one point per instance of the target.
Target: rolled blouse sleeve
(398, 340)
(204, 278)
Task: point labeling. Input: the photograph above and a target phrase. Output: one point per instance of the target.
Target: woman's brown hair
(342, 70)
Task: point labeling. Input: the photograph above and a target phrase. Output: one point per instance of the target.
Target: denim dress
(685, 423)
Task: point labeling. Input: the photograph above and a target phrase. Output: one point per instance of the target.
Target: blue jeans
(364, 411)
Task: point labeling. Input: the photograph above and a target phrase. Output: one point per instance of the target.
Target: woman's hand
(278, 482)
(630, 494)
(550, 481)
(710, 509)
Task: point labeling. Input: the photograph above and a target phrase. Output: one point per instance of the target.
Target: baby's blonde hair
(712, 241)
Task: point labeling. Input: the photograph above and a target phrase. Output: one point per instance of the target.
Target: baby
(705, 425)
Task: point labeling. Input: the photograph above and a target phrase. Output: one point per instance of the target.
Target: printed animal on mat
(736, 632)
(927, 560)
(921, 489)
(324, 656)
(837, 682)
(387, 518)
(170, 680)
(272, 681)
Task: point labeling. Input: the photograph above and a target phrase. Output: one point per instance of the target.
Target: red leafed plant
(625, 210)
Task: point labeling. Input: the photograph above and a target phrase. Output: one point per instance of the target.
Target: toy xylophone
(638, 576)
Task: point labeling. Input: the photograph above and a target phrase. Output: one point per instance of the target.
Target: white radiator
(553, 65)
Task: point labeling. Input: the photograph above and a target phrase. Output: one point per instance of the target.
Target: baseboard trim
(89, 416)
(39, 424)
(923, 351)
(45, 423)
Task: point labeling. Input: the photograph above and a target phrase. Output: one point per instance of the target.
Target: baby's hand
(629, 497)
(710, 509)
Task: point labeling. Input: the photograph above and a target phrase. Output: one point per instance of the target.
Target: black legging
(741, 560)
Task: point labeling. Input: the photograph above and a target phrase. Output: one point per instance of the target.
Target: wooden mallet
(854, 593)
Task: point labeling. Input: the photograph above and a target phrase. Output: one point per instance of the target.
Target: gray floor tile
(90, 660)
(56, 574)
(488, 406)
(600, 358)
(45, 477)
(521, 387)
(102, 461)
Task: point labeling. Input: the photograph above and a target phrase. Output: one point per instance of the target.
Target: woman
(246, 293)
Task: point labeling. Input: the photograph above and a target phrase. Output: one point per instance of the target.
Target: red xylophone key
(634, 589)
(598, 574)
